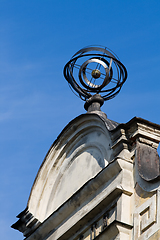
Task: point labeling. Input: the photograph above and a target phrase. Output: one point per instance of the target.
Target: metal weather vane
(95, 70)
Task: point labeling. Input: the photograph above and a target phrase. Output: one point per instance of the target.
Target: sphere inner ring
(96, 74)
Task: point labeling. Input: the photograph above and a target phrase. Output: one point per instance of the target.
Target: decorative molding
(79, 154)
(27, 223)
(148, 162)
(117, 213)
(87, 203)
(147, 218)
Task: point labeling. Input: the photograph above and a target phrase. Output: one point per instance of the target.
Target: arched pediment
(80, 152)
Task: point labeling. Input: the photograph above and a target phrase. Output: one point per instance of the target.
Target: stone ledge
(86, 203)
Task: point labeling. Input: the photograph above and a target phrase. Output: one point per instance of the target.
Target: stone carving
(147, 218)
(27, 223)
(108, 218)
(100, 225)
(148, 162)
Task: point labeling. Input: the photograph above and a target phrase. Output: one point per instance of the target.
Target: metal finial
(95, 70)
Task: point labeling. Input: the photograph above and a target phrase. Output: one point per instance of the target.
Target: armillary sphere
(95, 70)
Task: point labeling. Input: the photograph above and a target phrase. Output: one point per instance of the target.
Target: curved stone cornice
(81, 151)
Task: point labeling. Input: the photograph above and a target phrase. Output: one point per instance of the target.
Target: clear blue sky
(37, 38)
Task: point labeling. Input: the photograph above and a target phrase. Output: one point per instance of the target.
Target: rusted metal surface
(148, 162)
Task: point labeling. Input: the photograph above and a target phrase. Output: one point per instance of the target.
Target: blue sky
(37, 38)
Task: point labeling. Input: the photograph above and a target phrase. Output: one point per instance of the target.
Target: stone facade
(99, 180)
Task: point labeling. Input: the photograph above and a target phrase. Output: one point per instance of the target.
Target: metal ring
(115, 73)
(82, 71)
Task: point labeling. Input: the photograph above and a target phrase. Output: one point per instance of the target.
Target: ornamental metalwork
(95, 70)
